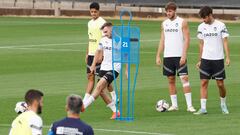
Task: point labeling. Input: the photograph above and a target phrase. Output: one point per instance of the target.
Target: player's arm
(226, 48)
(98, 55)
(86, 57)
(36, 125)
(201, 42)
(186, 35)
(160, 48)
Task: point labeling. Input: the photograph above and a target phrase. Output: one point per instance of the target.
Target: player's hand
(86, 59)
(182, 61)
(198, 65)
(92, 69)
(227, 61)
(158, 61)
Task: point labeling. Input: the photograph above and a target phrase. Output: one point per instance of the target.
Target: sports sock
(188, 97)
(203, 104)
(113, 95)
(174, 100)
(88, 102)
(223, 100)
(112, 106)
(86, 96)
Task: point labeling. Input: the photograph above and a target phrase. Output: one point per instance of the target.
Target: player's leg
(205, 75)
(219, 76)
(173, 93)
(183, 75)
(222, 92)
(112, 92)
(101, 85)
(90, 79)
(169, 70)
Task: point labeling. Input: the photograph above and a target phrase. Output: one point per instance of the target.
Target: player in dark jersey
(71, 125)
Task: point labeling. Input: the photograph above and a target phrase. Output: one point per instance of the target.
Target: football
(162, 105)
(20, 107)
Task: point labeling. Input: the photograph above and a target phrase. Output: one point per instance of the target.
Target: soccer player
(95, 34)
(213, 37)
(29, 123)
(106, 71)
(175, 42)
(71, 125)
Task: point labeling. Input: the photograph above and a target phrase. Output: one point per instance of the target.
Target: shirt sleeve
(224, 31)
(36, 125)
(100, 45)
(89, 131)
(199, 33)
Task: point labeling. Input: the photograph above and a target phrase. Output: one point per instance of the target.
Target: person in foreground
(71, 125)
(28, 122)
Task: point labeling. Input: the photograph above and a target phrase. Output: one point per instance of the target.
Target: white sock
(88, 101)
(223, 100)
(86, 96)
(203, 104)
(113, 95)
(112, 106)
(188, 97)
(174, 100)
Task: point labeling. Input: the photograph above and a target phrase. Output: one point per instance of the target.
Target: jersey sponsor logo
(92, 40)
(68, 131)
(107, 48)
(171, 30)
(210, 34)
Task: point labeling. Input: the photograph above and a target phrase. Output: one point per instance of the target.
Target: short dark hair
(205, 11)
(107, 24)
(94, 5)
(74, 103)
(171, 5)
(32, 95)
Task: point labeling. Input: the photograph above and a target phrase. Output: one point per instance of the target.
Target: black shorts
(171, 65)
(212, 69)
(89, 64)
(108, 75)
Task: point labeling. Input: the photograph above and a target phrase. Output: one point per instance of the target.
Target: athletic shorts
(171, 66)
(89, 64)
(108, 75)
(212, 69)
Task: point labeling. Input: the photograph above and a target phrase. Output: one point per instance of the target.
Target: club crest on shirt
(215, 28)
(176, 24)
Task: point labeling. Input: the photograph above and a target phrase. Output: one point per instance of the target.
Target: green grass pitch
(48, 54)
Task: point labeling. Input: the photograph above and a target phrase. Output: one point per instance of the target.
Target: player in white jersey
(95, 34)
(29, 123)
(106, 71)
(175, 42)
(213, 37)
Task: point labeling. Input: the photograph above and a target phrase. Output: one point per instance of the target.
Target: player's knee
(185, 81)
(171, 80)
(220, 84)
(91, 77)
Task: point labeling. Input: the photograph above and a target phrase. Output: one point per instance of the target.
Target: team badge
(215, 28)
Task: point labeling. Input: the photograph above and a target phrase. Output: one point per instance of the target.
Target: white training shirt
(106, 45)
(212, 36)
(174, 40)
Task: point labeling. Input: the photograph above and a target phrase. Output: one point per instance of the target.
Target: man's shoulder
(201, 25)
(219, 23)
